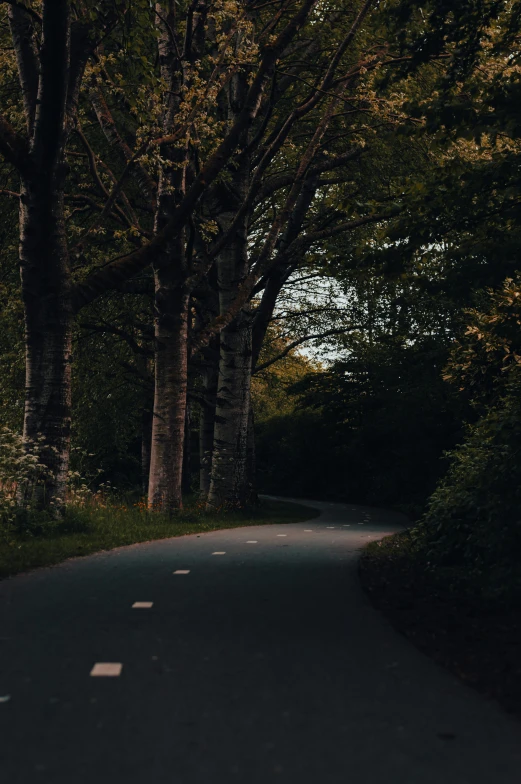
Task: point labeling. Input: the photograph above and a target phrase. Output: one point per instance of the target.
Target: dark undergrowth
(445, 614)
(90, 530)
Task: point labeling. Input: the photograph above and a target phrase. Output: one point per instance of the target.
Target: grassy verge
(87, 531)
(441, 613)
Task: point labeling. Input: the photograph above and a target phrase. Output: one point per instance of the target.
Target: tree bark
(228, 486)
(251, 463)
(50, 71)
(45, 76)
(171, 368)
(228, 478)
(48, 329)
(146, 443)
(172, 299)
(210, 377)
(187, 452)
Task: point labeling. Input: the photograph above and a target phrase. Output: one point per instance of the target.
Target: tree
(50, 78)
(52, 52)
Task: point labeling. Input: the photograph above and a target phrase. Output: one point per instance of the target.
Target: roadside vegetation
(105, 523)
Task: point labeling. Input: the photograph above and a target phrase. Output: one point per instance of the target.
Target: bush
(473, 522)
(474, 516)
(21, 473)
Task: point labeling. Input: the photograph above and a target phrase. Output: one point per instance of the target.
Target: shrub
(21, 472)
(473, 520)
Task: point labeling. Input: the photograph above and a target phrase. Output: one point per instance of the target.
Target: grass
(91, 530)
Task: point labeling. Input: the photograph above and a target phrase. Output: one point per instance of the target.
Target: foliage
(270, 386)
(21, 473)
(473, 518)
(370, 428)
(112, 385)
(373, 424)
(11, 357)
(459, 219)
(490, 349)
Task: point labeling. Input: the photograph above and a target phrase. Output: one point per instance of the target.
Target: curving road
(262, 664)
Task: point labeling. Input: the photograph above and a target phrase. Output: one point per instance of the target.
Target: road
(262, 664)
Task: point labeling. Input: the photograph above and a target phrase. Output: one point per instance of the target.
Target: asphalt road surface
(260, 661)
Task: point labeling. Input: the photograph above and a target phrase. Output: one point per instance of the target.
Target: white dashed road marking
(252, 541)
(182, 571)
(330, 526)
(308, 530)
(281, 534)
(142, 605)
(106, 670)
(223, 553)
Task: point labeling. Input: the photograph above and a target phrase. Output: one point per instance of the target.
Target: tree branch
(299, 342)
(126, 267)
(247, 286)
(22, 33)
(25, 8)
(298, 113)
(49, 121)
(116, 141)
(82, 48)
(118, 332)
(283, 180)
(13, 147)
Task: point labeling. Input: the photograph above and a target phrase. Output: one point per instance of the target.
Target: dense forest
(255, 247)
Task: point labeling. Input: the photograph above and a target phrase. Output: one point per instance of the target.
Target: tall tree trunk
(146, 443)
(187, 452)
(171, 367)
(49, 86)
(48, 328)
(251, 464)
(210, 377)
(172, 297)
(228, 484)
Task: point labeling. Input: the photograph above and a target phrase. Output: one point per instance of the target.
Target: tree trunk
(207, 421)
(229, 485)
(187, 452)
(146, 443)
(171, 366)
(251, 466)
(46, 294)
(172, 299)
